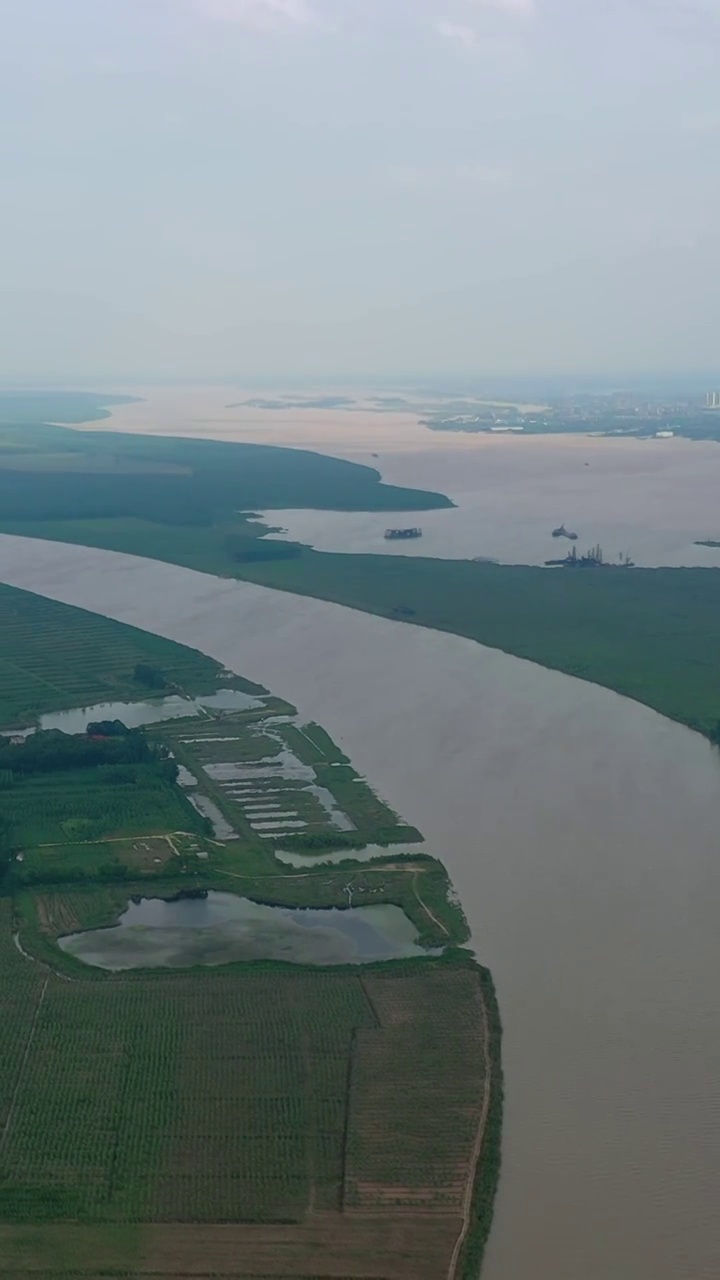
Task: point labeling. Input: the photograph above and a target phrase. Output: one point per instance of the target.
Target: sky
(261, 189)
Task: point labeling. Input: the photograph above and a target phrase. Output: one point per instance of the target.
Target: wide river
(582, 832)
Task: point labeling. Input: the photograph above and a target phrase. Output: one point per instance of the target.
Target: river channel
(582, 832)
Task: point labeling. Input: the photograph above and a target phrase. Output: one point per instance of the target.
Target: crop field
(83, 806)
(237, 1099)
(391, 1161)
(56, 657)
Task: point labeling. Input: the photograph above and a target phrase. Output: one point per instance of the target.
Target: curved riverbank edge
(487, 1175)
(649, 635)
(599, 848)
(543, 616)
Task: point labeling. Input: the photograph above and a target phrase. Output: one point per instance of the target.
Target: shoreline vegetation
(355, 1089)
(648, 634)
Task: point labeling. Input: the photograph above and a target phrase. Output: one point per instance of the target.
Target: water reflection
(136, 714)
(218, 928)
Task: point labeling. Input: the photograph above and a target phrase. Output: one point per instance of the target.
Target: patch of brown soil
(327, 1246)
(147, 854)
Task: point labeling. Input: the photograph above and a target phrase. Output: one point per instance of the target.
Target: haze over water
(652, 498)
(581, 832)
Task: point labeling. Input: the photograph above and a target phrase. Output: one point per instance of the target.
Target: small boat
(392, 534)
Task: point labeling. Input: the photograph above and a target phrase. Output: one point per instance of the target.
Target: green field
(54, 657)
(269, 1095)
(87, 805)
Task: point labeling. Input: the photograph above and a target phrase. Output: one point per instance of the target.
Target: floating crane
(593, 559)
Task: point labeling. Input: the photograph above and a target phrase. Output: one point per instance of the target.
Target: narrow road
(426, 908)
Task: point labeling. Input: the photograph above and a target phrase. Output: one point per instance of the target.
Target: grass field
(267, 1097)
(92, 804)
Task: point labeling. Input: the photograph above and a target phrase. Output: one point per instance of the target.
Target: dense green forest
(50, 750)
(56, 473)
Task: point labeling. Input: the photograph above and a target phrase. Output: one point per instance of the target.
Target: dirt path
(426, 908)
(315, 875)
(476, 1150)
(23, 1064)
(146, 835)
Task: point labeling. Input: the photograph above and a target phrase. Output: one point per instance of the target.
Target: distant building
(712, 400)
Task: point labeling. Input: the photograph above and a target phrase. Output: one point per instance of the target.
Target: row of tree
(50, 750)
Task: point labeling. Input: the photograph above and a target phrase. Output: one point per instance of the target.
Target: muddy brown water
(582, 832)
(651, 498)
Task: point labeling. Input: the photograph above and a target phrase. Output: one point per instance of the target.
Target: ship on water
(593, 559)
(393, 534)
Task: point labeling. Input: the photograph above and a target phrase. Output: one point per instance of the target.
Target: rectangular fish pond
(213, 928)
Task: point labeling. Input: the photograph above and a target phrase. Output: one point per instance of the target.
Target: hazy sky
(259, 187)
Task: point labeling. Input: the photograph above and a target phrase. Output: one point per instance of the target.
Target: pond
(219, 928)
(581, 833)
(136, 714)
(370, 851)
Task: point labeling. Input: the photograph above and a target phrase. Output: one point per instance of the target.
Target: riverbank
(363, 1039)
(649, 634)
(580, 831)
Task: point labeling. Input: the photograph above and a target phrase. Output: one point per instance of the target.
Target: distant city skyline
(259, 190)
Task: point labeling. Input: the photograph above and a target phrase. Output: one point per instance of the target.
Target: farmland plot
(223, 1099)
(56, 657)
